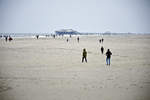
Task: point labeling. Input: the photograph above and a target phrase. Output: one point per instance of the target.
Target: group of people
(101, 40)
(8, 38)
(108, 54)
(78, 39)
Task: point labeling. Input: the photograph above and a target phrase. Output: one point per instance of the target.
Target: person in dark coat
(99, 40)
(78, 39)
(37, 36)
(108, 54)
(84, 55)
(67, 40)
(6, 38)
(102, 49)
(102, 40)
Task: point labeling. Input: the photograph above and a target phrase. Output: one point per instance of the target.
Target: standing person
(84, 55)
(102, 40)
(6, 38)
(102, 49)
(67, 40)
(78, 39)
(108, 54)
(37, 36)
(99, 40)
(54, 36)
(10, 38)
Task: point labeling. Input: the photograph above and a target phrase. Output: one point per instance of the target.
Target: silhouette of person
(6, 38)
(37, 36)
(102, 49)
(99, 40)
(108, 54)
(84, 55)
(78, 39)
(67, 40)
(102, 40)
(54, 36)
(10, 38)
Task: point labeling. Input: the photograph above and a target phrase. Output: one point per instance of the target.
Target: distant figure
(84, 55)
(78, 39)
(46, 35)
(10, 38)
(67, 40)
(102, 40)
(108, 54)
(99, 40)
(6, 38)
(102, 49)
(70, 36)
(54, 36)
(37, 36)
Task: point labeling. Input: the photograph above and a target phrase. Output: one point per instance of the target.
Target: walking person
(99, 40)
(37, 36)
(6, 38)
(102, 40)
(84, 55)
(102, 49)
(78, 39)
(108, 54)
(67, 40)
(10, 38)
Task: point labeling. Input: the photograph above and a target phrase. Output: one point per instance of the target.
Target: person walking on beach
(67, 40)
(99, 40)
(102, 49)
(6, 38)
(78, 39)
(37, 36)
(84, 55)
(102, 40)
(108, 54)
(10, 38)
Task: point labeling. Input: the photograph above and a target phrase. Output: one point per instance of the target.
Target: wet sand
(51, 69)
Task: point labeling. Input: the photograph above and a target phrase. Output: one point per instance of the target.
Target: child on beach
(84, 55)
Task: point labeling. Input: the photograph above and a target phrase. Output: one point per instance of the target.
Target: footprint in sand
(100, 87)
(4, 88)
(147, 83)
(133, 84)
(110, 79)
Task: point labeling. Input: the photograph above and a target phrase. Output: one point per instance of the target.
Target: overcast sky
(80, 15)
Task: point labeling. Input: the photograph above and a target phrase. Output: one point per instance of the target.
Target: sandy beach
(51, 69)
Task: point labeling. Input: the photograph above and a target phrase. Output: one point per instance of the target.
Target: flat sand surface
(51, 69)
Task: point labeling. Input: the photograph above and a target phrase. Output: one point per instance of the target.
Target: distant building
(107, 33)
(66, 31)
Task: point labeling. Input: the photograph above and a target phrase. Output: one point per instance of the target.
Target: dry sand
(51, 69)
